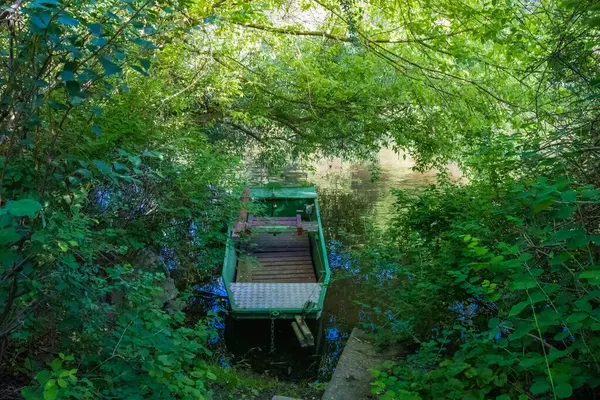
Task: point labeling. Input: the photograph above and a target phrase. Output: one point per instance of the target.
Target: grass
(237, 384)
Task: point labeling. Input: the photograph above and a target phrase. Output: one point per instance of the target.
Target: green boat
(276, 264)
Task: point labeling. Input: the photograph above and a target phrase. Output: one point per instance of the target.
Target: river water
(354, 199)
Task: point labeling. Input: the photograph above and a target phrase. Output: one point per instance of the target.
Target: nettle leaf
(23, 208)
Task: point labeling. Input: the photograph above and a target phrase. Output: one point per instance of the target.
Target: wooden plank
(259, 250)
(282, 254)
(287, 280)
(281, 258)
(280, 240)
(283, 267)
(284, 258)
(298, 264)
(299, 276)
(281, 235)
(292, 274)
(291, 235)
(271, 221)
(288, 271)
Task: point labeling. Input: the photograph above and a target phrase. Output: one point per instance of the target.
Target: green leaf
(541, 206)
(43, 376)
(51, 393)
(569, 196)
(41, 21)
(140, 70)
(61, 382)
(135, 161)
(576, 317)
(563, 391)
(522, 329)
(67, 76)
(145, 63)
(96, 130)
(144, 43)
(211, 376)
(23, 208)
(517, 308)
(565, 212)
(95, 29)
(584, 305)
(8, 236)
(56, 364)
(166, 360)
(103, 167)
(86, 173)
(590, 274)
(68, 20)
(99, 41)
(540, 387)
(110, 68)
(120, 167)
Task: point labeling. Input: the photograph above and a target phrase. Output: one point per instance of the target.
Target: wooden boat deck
(282, 258)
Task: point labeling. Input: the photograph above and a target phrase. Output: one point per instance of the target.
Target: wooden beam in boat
(310, 339)
(299, 335)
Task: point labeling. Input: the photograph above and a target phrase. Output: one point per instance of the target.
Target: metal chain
(272, 335)
(274, 314)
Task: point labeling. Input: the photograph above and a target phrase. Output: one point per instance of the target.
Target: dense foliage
(105, 188)
(492, 282)
(122, 126)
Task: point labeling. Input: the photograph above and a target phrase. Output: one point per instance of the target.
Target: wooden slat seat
(284, 258)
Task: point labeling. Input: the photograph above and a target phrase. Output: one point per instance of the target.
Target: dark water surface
(351, 203)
